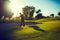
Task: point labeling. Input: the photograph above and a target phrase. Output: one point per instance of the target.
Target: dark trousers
(22, 23)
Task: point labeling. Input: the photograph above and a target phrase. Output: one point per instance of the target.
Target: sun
(16, 7)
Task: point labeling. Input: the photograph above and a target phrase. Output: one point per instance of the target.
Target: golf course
(39, 29)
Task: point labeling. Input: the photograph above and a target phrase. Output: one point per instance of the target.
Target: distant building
(39, 16)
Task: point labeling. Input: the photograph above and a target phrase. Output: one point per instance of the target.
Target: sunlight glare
(16, 7)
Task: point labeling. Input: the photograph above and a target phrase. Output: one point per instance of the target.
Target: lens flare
(15, 7)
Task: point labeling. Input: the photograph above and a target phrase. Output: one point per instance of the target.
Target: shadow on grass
(32, 23)
(37, 28)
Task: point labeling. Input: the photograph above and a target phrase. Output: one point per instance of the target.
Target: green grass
(50, 25)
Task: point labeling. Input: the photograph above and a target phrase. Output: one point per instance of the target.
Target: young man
(22, 20)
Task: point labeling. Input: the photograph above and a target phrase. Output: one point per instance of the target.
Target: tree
(28, 11)
(58, 13)
(31, 12)
(38, 11)
(52, 15)
(39, 15)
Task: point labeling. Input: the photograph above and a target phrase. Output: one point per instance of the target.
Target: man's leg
(23, 23)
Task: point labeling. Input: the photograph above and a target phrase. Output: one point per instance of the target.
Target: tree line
(28, 11)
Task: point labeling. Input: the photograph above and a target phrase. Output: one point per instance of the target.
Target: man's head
(19, 13)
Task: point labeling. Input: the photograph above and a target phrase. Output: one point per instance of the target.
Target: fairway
(44, 30)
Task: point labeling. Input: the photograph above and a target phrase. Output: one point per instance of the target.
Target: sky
(47, 6)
